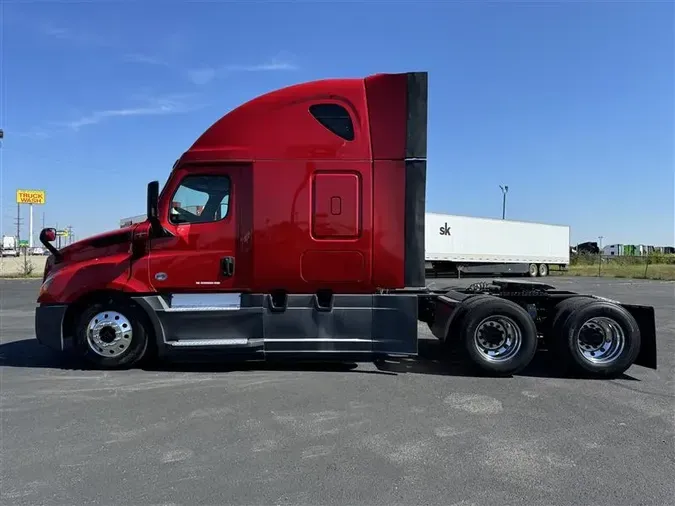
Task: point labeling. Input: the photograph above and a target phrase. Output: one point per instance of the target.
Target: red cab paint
(316, 199)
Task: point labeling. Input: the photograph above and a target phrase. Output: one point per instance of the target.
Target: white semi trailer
(127, 222)
(469, 245)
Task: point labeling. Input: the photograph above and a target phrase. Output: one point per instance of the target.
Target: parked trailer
(470, 245)
(132, 220)
(307, 242)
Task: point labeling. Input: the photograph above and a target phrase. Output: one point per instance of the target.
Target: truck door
(201, 216)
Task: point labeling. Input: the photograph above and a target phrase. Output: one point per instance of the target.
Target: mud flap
(646, 320)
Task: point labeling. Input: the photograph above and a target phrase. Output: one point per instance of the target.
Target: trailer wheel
(112, 334)
(498, 336)
(533, 270)
(543, 270)
(596, 338)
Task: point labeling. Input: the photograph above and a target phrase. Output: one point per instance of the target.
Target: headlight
(45, 285)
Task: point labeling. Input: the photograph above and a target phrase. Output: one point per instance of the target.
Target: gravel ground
(416, 433)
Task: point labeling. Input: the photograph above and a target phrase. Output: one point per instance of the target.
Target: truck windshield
(200, 199)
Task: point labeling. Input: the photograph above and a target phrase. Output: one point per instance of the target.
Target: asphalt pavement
(412, 433)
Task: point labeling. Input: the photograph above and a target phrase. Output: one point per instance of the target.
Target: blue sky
(570, 104)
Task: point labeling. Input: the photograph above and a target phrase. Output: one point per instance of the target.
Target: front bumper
(49, 325)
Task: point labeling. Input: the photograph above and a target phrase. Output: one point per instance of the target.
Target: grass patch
(664, 272)
(14, 275)
(22, 267)
(656, 265)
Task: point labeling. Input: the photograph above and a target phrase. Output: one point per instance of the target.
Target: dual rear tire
(496, 335)
(588, 336)
(594, 338)
(535, 270)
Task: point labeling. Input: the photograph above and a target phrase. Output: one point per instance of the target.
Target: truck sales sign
(31, 197)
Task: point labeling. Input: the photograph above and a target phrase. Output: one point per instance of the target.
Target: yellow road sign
(31, 197)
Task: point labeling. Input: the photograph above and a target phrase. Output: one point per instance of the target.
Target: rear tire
(543, 270)
(112, 334)
(595, 338)
(450, 343)
(498, 336)
(533, 271)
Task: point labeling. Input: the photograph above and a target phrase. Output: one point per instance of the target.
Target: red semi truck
(294, 228)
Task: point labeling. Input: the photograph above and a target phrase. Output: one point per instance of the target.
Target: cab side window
(200, 199)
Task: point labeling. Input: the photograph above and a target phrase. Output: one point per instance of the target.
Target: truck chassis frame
(515, 317)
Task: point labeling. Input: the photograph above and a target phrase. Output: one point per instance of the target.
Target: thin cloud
(33, 134)
(198, 76)
(145, 59)
(77, 37)
(204, 75)
(201, 76)
(171, 104)
(264, 67)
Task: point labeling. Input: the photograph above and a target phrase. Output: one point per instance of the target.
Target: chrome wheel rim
(601, 340)
(498, 338)
(109, 334)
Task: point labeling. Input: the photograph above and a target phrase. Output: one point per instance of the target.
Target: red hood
(100, 244)
(96, 247)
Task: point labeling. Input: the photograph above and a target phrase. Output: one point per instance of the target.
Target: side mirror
(153, 201)
(47, 236)
(153, 209)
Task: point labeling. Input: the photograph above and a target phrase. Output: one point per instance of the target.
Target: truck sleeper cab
(294, 227)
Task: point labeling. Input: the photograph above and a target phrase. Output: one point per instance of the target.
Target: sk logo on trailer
(445, 229)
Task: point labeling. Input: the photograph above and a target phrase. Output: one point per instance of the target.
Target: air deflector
(397, 105)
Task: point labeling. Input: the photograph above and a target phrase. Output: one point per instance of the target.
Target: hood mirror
(47, 236)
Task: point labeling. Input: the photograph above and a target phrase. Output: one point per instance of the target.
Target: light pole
(600, 237)
(505, 190)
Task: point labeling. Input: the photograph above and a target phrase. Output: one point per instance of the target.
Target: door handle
(227, 266)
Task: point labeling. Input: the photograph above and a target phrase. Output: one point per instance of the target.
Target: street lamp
(505, 190)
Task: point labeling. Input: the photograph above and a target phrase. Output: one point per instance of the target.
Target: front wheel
(112, 335)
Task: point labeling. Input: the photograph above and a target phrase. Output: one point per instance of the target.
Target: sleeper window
(335, 118)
